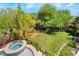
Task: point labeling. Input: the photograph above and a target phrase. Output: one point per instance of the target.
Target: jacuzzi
(16, 47)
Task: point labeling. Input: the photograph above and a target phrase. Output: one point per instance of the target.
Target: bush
(72, 43)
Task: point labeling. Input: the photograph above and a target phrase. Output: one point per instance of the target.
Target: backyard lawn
(50, 43)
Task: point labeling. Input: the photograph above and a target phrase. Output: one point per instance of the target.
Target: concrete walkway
(77, 54)
(35, 52)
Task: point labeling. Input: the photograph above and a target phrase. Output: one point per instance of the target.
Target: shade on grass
(51, 43)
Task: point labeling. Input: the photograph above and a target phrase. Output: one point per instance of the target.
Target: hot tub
(16, 47)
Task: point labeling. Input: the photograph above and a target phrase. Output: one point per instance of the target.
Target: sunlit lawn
(51, 42)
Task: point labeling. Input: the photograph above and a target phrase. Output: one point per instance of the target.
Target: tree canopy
(49, 16)
(16, 21)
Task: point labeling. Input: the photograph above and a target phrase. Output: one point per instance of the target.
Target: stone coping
(8, 51)
(2, 49)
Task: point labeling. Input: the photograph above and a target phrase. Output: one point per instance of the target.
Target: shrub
(72, 43)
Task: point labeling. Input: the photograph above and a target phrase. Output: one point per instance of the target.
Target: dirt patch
(31, 35)
(34, 34)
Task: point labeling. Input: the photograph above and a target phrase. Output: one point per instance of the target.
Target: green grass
(66, 51)
(50, 43)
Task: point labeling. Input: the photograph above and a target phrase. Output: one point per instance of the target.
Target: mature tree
(46, 12)
(46, 15)
(5, 21)
(50, 18)
(16, 21)
(62, 18)
(73, 27)
(23, 22)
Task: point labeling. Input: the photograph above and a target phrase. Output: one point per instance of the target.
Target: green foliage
(46, 12)
(24, 22)
(76, 25)
(51, 18)
(50, 44)
(6, 19)
(72, 43)
(62, 18)
(66, 51)
(73, 27)
(16, 21)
